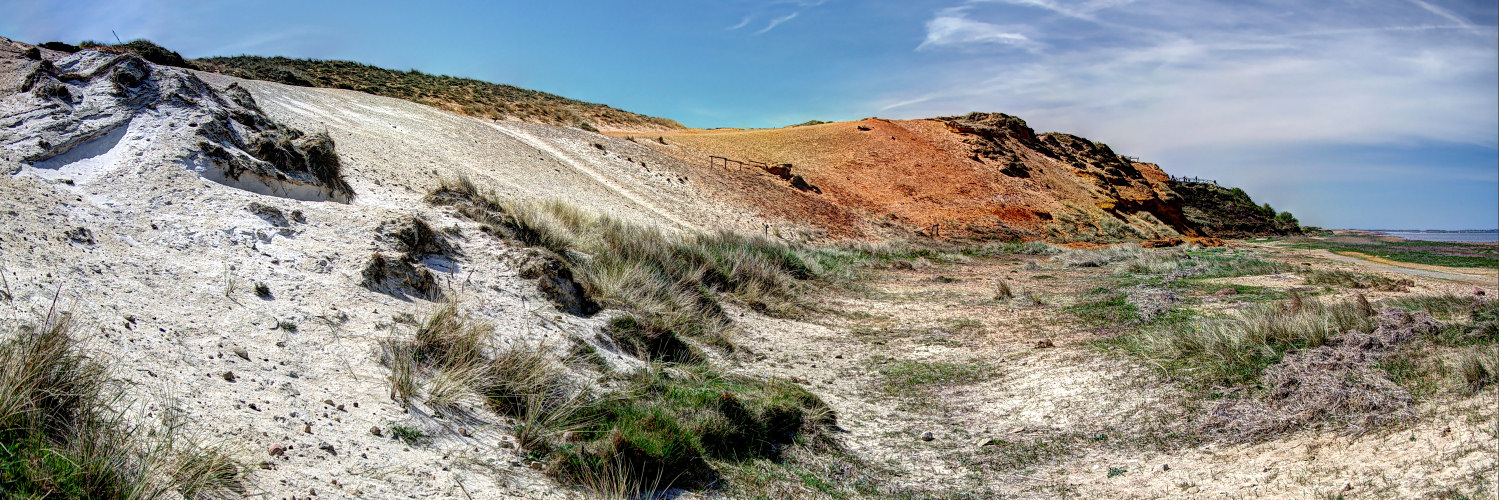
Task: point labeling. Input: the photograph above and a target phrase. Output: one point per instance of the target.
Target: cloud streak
(954, 30)
(1194, 82)
(777, 22)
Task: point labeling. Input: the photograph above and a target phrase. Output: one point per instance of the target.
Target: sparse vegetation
(1355, 280)
(1003, 291)
(916, 382)
(665, 422)
(670, 283)
(459, 95)
(409, 435)
(62, 437)
(1234, 348)
(262, 290)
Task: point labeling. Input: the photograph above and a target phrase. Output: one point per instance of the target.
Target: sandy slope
(161, 279)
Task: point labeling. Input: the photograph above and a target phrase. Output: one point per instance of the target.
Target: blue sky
(1349, 113)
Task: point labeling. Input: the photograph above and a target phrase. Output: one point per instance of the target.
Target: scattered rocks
(229, 376)
(375, 431)
(80, 235)
(242, 353)
(327, 447)
(277, 450)
(1045, 344)
(928, 436)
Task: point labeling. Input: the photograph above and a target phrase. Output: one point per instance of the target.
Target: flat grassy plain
(1436, 253)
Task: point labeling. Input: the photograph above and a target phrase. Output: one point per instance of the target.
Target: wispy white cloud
(1446, 14)
(1270, 96)
(742, 23)
(1200, 77)
(1080, 10)
(958, 30)
(777, 22)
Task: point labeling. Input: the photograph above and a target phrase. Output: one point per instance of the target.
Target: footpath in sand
(1477, 276)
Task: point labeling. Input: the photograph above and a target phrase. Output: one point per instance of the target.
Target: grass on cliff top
(462, 95)
(62, 434)
(1436, 253)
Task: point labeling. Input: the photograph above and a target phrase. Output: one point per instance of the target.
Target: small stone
(229, 376)
(253, 407)
(277, 450)
(376, 431)
(1045, 344)
(307, 427)
(1165, 467)
(327, 447)
(463, 431)
(927, 436)
(328, 402)
(341, 408)
(987, 442)
(242, 353)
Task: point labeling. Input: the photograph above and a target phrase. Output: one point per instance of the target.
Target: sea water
(1458, 236)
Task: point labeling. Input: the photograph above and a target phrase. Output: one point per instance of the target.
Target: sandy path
(571, 161)
(1486, 277)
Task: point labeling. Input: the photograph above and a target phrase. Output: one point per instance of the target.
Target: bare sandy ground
(1078, 422)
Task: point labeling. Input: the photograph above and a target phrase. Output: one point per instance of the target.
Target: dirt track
(1477, 276)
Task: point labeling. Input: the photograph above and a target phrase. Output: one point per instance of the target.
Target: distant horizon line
(1495, 230)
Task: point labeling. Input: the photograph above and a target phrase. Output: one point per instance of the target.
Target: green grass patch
(1450, 254)
(1234, 348)
(1356, 280)
(671, 421)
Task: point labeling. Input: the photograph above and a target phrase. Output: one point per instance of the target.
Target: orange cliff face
(979, 176)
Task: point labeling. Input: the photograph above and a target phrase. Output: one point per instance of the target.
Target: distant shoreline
(1476, 236)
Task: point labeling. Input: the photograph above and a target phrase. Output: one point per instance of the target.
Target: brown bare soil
(880, 177)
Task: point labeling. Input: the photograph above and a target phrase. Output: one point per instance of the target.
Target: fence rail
(1197, 180)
